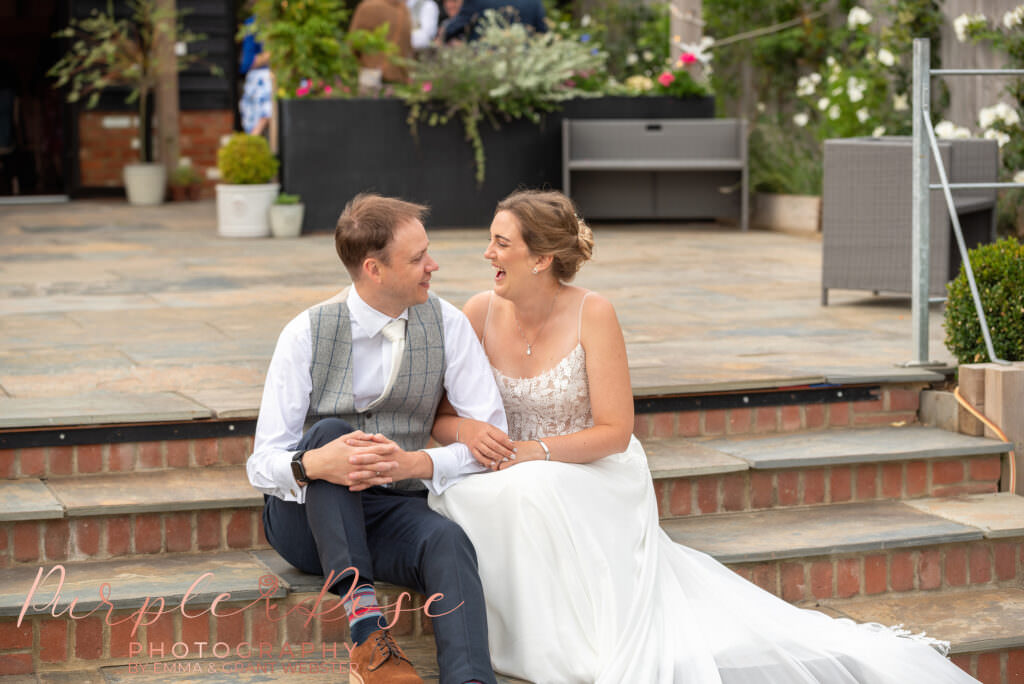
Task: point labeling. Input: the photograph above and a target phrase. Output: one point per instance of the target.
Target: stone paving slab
(133, 580)
(975, 620)
(859, 445)
(234, 402)
(703, 307)
(679, 457)
(97, 408)
(814, 531)
(296, 580)
(997, 515)
(160, 491)
(28, 500)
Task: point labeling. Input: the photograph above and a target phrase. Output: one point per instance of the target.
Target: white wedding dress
(582, 585)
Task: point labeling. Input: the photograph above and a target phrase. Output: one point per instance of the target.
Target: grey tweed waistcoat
(406, 415)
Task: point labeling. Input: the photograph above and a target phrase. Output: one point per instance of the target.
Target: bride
(581, 583)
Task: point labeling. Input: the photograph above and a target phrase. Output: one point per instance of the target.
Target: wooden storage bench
(656, 168)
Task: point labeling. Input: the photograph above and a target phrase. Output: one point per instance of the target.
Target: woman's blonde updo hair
(550, 226)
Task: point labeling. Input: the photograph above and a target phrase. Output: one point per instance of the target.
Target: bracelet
(547, 452)
(457, 421)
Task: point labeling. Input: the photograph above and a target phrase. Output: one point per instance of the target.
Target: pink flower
(687, 58)
(328, 90)
(302, 91)
(427, 86)
(666, 79)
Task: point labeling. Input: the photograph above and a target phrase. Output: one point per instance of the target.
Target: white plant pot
(145, 183)
(286, 220)
(242, 210)
(788, 213)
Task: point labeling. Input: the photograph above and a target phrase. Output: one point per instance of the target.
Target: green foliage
(783, 159)
(678, 82)
(999, 274)
(246, 160)
(286, 198)
(306, 41)
(106, 51)
(509, 73)
(185, 175)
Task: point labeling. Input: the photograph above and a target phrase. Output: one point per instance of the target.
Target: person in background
(451, 9)
(256, 105)
(424, 14)
(369, 15)
(464, 24)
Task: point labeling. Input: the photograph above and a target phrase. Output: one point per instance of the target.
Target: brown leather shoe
(379, 660)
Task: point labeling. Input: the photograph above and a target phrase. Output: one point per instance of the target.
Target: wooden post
(167, 87)
(686, 22)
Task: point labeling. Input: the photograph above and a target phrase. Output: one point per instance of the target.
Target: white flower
(998, 136)
(801, 119)
(855, 88)
(815, 78)
(886, 57)
(823, 103)
(862, 115)
(965, 22)
(632, 59)
(1018, 177)
(945, 129)
(585, 21)
(962, 132)
(1014, 17)
(830, 61)
(761, 107)
(1000, 112)
(858, 16)
(900, 102)
(878, 132)
(833, 112)
(836, 92)
(805, 86)
(648, 56)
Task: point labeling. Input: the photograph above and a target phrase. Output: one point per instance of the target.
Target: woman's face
(452, 7)
(509, 255)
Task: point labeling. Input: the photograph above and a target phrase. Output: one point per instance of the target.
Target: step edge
(998, 448)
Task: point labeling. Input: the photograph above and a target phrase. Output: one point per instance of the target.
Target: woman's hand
(530, 450)
(489, 445)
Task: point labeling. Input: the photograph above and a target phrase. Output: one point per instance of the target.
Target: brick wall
(108, 141)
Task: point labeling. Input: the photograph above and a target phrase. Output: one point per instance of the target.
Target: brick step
(985, 626)
(697, 477)
(866, 549)
(179, 437)
(128, 514)
(230, 595)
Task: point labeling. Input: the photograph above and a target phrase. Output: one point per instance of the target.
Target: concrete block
(1004, 406)
(972, 388)
(940, 409)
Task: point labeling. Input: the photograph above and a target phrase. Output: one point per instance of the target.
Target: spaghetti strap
(579, 326)
(487, 318)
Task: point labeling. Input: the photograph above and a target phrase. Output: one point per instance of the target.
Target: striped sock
(364, 615)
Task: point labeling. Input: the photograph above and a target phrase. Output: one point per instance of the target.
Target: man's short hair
(366, 226)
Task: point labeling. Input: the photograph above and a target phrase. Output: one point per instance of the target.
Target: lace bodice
(556, 402)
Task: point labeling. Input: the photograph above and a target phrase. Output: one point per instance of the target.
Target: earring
(535, 270)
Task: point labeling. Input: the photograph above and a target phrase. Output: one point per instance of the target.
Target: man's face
(405, 278)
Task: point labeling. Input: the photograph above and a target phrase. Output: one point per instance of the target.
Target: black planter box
(333, 149)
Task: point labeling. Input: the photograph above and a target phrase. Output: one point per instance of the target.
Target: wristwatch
(298, 469)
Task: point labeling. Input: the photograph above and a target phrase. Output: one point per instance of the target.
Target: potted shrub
(286, 215)
(105, 52)
(186, 183)
(247, 168)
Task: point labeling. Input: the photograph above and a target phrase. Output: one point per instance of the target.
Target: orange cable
(995, 428)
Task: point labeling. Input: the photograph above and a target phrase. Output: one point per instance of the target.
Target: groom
(350, 492)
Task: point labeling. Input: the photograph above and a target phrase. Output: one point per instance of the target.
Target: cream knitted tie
(394, 332)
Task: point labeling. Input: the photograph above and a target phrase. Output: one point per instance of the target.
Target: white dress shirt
(425, 14)
(468, 381)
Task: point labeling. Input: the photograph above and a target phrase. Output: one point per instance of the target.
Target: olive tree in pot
(106, 51)
(247, 167)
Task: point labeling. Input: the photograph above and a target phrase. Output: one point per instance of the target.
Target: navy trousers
(392, 536)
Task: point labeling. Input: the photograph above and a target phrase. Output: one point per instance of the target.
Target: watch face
(298, 472)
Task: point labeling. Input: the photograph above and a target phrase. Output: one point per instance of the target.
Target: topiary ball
(999, 274)
(246, 160)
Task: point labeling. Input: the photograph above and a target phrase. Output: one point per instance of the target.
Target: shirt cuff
(451, 464)
(282, 470)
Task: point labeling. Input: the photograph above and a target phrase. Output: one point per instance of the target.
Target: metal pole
(920, 219)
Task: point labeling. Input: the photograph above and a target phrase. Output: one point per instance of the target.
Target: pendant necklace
(529, 345)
